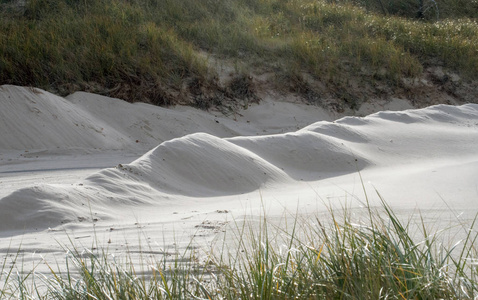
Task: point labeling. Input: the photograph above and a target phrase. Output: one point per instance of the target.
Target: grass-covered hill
(335, 53)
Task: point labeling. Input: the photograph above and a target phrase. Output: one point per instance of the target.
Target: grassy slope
(153, 51)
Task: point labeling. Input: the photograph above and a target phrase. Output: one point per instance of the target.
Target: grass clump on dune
(429, 10)
(319, 258)
(156, 51)
(380, 258)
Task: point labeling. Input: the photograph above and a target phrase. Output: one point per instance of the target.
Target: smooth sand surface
(92, 170)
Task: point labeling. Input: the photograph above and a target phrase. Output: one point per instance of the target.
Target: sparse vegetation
(335, 256)
(431, 10)
(155, 51)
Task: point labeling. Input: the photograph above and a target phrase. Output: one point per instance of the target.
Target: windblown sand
(92, 170)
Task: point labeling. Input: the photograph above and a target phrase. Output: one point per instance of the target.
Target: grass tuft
(338, 255)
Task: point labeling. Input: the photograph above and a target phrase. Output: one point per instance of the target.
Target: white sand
(90, 168)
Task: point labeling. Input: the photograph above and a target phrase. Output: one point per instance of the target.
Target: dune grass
(377, 256)
(156, 51)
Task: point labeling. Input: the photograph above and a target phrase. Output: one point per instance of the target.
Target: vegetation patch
(332, 256)
(153, 51)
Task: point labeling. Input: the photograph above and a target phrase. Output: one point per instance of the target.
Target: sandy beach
(88, 169)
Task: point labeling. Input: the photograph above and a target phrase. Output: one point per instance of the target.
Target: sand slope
(207, 164)
(33, 119)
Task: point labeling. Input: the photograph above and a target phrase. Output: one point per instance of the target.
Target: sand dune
(89, 167)
(202, 165)
(33, 119)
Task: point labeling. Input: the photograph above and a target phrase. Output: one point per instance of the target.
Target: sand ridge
(169, 171)
(201, 165)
